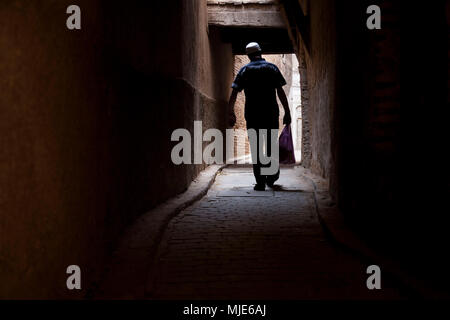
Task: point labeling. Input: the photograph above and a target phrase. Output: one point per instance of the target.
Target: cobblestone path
(237, 243)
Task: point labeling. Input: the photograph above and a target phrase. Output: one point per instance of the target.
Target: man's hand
(287, 118)
(231, 119)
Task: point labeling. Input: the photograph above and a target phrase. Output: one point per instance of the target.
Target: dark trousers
(262, 137)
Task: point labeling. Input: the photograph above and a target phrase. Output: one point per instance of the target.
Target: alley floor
(237, 243)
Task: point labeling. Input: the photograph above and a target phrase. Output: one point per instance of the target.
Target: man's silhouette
(261, 81)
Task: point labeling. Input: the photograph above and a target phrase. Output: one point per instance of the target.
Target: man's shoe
(259, 187)
(270, 184)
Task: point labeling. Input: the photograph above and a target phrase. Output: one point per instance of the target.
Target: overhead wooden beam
(245, 14)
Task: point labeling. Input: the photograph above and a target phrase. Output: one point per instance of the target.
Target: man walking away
(261, 82)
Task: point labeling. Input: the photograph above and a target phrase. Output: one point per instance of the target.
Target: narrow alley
(237, 243)
(123, 127)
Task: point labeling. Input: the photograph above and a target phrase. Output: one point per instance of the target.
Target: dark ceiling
(271, 40)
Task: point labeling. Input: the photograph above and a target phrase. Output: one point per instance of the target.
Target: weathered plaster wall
(315, 46)
(305, 121)
(54, 167)
(391, 104)
(320, 60)
(377, 100)
(207, 66)
(85, 124)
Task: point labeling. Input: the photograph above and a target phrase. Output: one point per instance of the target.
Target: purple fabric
(287, 155)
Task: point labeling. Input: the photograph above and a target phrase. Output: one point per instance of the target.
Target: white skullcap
(252, 47)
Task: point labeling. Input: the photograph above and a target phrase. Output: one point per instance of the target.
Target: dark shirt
(259, 80)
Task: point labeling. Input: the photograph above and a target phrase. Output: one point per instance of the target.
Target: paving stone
(236, 244)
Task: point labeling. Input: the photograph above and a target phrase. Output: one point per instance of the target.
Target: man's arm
(285, 103)
(231, 102)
